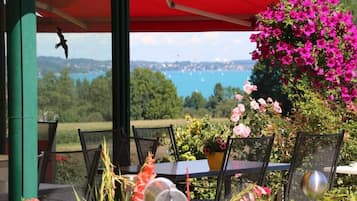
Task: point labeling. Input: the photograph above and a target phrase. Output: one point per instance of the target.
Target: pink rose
(249, 88)
(241, 130)
(238, 97)
(237, 112)
(254, 105)
(276, 107)
(262, 102)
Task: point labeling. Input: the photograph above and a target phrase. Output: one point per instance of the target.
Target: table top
(199, 168)
(347, 169)
(4, 160)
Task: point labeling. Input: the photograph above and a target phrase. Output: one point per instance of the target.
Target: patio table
(51, 192)
(176, 171)
(199, 168)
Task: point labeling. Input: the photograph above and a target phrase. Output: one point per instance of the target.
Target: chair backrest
(71, 169)
(40, 165)
(144, 146)
(164, 132)
(312, 152)
(255, 149)
(91, 188)
(91, 140)
(46, 137)
(46, 134)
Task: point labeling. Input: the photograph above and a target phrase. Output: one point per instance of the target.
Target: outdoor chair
(92, 139)
(255, 149)
(144, 146)
(40, 166)
(165, 135)
(46, 142)
(312, 152)
(71, 169)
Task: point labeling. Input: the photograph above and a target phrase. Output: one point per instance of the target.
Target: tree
(100, 97)
(269, 84)
(153, 96)
(221, 102)
(213, 100)
(57, 99)
(196, 101)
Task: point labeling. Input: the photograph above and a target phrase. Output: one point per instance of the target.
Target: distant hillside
(56, 64)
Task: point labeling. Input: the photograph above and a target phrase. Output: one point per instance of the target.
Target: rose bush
(313, 40)
(254, 116)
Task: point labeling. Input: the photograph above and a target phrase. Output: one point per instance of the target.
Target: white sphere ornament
(314, 184)
(162, 189)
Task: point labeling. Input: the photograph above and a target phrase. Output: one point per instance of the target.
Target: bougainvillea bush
(311, 40)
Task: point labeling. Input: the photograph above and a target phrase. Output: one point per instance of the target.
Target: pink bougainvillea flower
(241, 130)
(313, 40)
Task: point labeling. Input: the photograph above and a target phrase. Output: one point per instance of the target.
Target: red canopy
(150, 15)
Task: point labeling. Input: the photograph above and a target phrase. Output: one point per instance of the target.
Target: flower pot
(215, 160)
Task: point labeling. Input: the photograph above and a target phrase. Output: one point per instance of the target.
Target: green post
(22, 90)
(121, 79)
(2, 80)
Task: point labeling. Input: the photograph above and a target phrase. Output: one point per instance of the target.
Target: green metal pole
(22, 90)
(121, 79)
(2, 80)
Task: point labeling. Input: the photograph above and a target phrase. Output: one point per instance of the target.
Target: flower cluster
(311, 39)
(252, 192)
(146, 174)
(214, 144)
(252, 115)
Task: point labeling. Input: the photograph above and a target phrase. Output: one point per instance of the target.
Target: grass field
(67, 133)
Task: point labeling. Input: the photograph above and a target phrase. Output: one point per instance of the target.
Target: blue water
(191, 81)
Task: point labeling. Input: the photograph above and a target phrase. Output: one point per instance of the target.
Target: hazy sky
(195, 46)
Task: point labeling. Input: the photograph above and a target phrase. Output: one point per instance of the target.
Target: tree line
(152, 96)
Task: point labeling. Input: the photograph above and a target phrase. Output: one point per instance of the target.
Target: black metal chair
(164, 132)
(144, 146)
(92, 139)
(40, 166)
(46, 142)
(312, 152)
(255, 149)
(71, 169)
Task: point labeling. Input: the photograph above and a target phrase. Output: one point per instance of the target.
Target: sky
(187, 46)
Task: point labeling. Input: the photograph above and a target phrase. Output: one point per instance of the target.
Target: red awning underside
(149, 15)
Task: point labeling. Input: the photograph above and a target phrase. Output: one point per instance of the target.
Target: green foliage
(196, 101)
(341, 194)
(220, 103)
(56, 95)
(352, 6)
(311, 112)
(152, 96)
(270, 85)
(191, 137)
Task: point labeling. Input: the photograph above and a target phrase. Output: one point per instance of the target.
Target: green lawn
(67, 134)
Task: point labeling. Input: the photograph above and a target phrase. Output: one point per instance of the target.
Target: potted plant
(214, 148)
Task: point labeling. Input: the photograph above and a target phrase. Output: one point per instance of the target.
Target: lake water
(188, 82)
